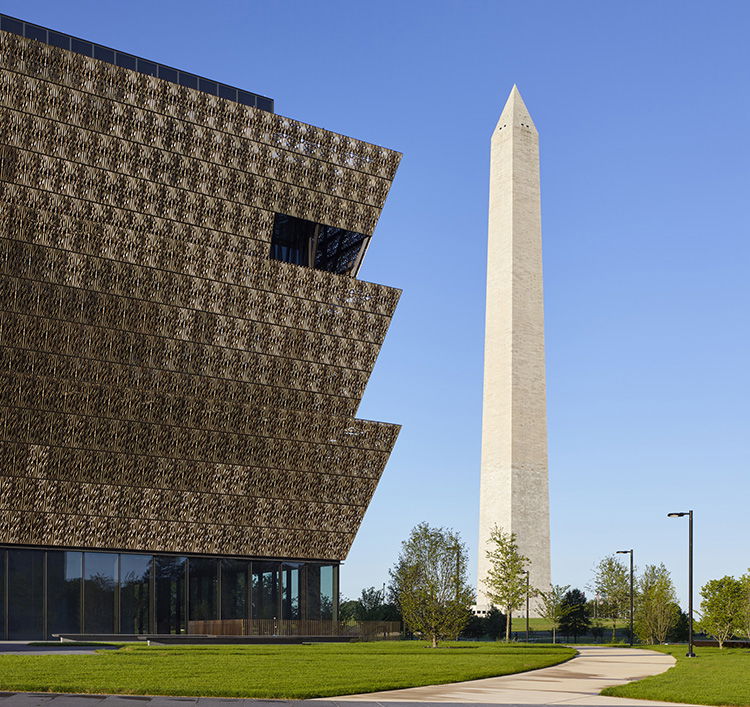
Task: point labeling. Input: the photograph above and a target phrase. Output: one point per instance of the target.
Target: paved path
(576, 682)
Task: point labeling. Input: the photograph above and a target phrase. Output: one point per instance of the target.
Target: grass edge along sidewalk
(714, 677)
(290, 671)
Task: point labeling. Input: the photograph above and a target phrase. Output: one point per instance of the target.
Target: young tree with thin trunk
(505, 583)
(657, 611)
(744, 612)
(430, 583)
(612, 585)
(720, 608)
(553, 606)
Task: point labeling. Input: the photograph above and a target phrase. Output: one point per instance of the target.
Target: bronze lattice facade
(168, 383)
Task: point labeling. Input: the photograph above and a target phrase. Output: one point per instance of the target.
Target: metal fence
(362, 630)
(622, 635)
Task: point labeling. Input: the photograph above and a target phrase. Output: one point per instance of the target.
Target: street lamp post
(527, 606)
(458, 569)
(689, 514)
(630, 552)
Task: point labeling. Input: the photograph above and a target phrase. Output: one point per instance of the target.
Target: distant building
(184, 347)
(514, 492)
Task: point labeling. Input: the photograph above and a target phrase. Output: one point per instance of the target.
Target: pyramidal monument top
(515, 113)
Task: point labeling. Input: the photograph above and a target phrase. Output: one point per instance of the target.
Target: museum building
(184, 344)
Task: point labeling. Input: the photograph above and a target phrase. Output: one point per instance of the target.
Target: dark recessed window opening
(291, 240)
(315, 245)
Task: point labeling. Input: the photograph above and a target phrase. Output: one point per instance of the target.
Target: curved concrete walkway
(577, 682)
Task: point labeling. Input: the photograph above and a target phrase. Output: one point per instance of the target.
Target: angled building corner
(514, 491)
(184, 347)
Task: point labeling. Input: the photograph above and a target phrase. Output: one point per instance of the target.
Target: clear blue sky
(643, 111)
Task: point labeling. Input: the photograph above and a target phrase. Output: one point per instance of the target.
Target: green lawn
(535, 624)
(714, 677)
(296, 671)
(539, 624)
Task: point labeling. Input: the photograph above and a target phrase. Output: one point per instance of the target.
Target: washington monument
(514, 491)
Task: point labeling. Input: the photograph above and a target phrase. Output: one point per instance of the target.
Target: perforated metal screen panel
(164, 384)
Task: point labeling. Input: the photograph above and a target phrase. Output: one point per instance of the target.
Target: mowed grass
(540, 624)
(535, 624)
(295, 671)
(714, 677)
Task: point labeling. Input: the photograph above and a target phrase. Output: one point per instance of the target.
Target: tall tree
(575, 621)
(494, 623)
(505, 583)
(553, 606)
(347, 609)
(720, 608)
(612, 584)
(370, 605)
(743, 619)
(681, 630)
(657, 611)
(430, 583)
(485, 627)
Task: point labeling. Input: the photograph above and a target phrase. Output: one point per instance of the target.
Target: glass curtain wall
(25, 589)
(234, 589)
(319, 602)
(64, 574)
(99, 595)
(3, 572)
(135, 593)
(328, 592)
(265, 591)
(71, 592)
(290, 591)
(170, 594)
(203, 574)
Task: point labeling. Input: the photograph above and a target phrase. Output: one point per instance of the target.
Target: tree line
(429, 591)
(724, 609)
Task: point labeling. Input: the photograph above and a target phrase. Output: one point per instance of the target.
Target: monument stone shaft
(514, 491)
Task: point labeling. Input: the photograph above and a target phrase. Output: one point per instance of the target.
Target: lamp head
(623, 552)
(676, 515)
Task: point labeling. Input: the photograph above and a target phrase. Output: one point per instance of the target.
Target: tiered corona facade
(168, 383)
